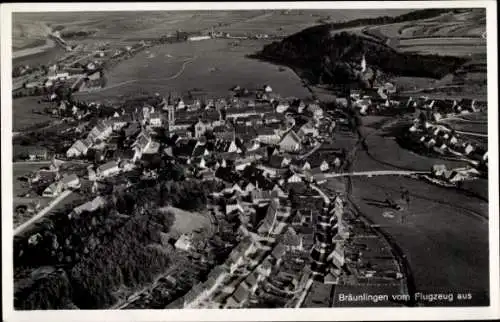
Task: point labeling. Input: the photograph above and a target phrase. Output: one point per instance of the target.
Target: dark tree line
(103, 250)
(310, 49)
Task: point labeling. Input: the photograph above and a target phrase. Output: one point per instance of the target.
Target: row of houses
(231, 284)
(442, 139)
(453, 176)
(101, 131)
(67, 182)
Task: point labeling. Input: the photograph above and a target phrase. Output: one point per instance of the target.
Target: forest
(99, 253)
(308, 50)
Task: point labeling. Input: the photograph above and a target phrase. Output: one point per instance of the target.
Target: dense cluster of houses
(76, 77)
(270, 250)
(453, 176)
(443, 140)
(207, 134)
(379, 99)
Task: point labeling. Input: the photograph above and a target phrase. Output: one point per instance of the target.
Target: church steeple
(363, 64)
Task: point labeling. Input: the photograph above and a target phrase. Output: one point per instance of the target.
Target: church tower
(171, 116)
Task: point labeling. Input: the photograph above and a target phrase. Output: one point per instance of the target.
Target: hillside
(319, 48)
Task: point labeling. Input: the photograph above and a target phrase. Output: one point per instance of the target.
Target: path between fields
(42, 212)
(374, 173)
(473, 134)
(179, 73)
(457, 118)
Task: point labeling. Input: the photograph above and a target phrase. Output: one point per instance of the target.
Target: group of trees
(77, 33)
(54, 293)
(323, 58)
(310, 49)
(100, 251)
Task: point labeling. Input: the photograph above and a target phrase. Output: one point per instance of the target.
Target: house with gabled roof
(316, 110)
(121, 121)
(108, 169)
(156, 119)
(101, 131)
(71, 182)
(78, 148)
(267, 135)
(278, 252)
(282, 107)
(132, 129)
(53, 190)
(234, 207)
(290, 142)
(308, 129)
(277, 161)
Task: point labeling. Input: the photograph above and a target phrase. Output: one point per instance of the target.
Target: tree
(422, 118)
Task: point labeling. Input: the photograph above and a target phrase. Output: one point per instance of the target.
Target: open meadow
(442, 231)
(213, 66)
(187, 221)
(22, 113)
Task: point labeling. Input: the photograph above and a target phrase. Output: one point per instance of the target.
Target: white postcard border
(324, 314)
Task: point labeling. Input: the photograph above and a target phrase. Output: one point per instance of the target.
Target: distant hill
(313, 50)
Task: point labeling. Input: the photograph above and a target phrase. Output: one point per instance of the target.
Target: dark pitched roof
(266, 131)
(290, 238)
(198, 151)
(245, 131)
(241, 294)
(184, 149)
(221, 145)
(278, 251)
(132, 129)
(275, 161)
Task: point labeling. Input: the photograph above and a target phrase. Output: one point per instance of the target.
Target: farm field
(282, 24)
(212, 65)
(45, 57)
(467, 126)
(153, 24)
(476, 117)
(432, 235)
(405, 83)
(444, 46)
(455, 34)
(22, 112)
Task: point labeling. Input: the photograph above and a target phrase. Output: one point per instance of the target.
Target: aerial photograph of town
(243, 159)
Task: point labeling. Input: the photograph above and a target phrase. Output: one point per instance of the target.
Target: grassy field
(211, 65)
(444, 46)
(187, 221)
(22, 112)
(457, 34)
(433, 236)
